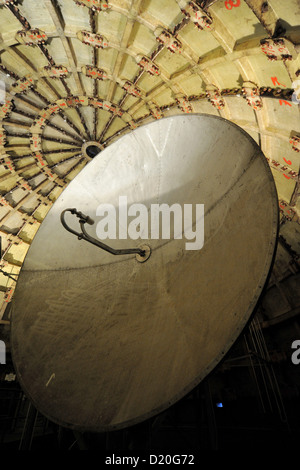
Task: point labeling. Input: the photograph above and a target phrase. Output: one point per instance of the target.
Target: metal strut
(143, 252)
(9, 275)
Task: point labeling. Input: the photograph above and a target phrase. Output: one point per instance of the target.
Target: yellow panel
(283, 154)
(75, 17)
(192, 85)
(31, 173)
(203, 106)
(282, 115)
(164, 98)
(170, 63)
(264, 70)
(240, 20)
(38, 17)
(9, 26)
(103, 87)
(142, 111)
(288, 14)
(41, 212)
(129, 101)
(34, 55)
(24, 162)
(226, 75)
(3, 170)
(58, 52)
(75, 172)
(142, 39)
(201, 42)
(111, 25)
(8, 184)
(107, 58)
(103, 118)
(15, 64)
(285, 188)
(129, 68)
(167, 12)
(239, 110)
(55, 193)
(118, 94)
(148, 82)
(116, 126)
(28, 232)
(16, 254)
(84, 53)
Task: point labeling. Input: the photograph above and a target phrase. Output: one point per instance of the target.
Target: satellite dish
(101, 342)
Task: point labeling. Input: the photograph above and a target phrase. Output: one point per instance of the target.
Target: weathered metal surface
(101, 343)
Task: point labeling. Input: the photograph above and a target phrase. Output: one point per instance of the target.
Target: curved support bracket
(142, 253)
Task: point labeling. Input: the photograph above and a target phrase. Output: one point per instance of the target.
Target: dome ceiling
(76, 74)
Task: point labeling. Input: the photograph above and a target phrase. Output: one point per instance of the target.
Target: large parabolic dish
(101, 342)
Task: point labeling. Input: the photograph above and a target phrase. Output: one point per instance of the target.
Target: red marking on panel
(285, 102)
(229, 4)
(276, 82)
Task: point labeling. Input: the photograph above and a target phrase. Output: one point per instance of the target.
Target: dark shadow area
(284, 29)
(250, 401)
(92, 151)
